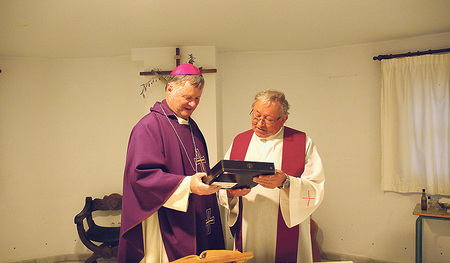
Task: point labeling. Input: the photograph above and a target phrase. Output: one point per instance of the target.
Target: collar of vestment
(168, 111)
(182, 121)
(278, 135)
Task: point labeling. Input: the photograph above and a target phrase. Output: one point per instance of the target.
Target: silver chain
(182, 144)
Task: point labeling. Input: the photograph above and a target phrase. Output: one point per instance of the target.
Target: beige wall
(64, 127)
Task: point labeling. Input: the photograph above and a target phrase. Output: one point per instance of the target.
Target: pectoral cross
(209, 220)
(199, 159)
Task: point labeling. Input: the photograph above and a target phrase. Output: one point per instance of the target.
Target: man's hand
(200, 188)
(238, 192)
(271, 181)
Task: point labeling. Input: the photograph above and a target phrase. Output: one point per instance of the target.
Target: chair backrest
(112, 202)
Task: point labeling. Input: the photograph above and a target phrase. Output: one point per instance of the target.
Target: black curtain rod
(411, 54)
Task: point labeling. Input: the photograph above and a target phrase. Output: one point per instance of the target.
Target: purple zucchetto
(186, 69)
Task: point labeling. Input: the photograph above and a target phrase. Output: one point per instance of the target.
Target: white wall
(64, 128)
(335, 98)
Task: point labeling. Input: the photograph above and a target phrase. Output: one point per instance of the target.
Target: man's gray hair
(178, 80)
(272, 96)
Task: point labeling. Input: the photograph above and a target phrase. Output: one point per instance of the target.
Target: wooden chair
(216, 256)
(106, 238)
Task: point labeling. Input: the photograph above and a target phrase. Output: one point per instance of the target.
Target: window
(415, 124)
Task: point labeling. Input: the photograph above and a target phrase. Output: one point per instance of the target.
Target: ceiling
(99, 28)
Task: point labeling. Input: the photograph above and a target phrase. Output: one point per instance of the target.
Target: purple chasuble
(156, 165)
(293, 164)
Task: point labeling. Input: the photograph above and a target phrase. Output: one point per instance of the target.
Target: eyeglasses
(265, 120)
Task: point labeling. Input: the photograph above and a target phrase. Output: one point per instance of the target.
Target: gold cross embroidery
(209, 220)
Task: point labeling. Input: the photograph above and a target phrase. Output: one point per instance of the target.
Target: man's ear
(284, 119)
(169, 88)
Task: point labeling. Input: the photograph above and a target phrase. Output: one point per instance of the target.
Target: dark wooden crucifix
(177, 58)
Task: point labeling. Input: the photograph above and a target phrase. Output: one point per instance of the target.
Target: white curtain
(415, 124)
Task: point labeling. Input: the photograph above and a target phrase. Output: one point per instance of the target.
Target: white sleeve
(305, 193)
(180, 198)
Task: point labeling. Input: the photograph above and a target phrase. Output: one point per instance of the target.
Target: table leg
(419, 221)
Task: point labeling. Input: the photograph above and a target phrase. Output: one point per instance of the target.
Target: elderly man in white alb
(272, 219)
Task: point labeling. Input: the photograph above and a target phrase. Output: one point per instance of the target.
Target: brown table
(427, 214)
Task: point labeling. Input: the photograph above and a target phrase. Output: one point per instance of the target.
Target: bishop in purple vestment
(166, 152)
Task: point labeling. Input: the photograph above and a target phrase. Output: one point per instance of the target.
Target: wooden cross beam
(177, 59)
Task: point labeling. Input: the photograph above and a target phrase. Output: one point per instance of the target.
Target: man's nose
(261, 122)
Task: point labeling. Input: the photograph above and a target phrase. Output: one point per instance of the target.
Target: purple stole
(293, 163)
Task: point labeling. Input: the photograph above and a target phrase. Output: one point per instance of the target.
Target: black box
(237, 174)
